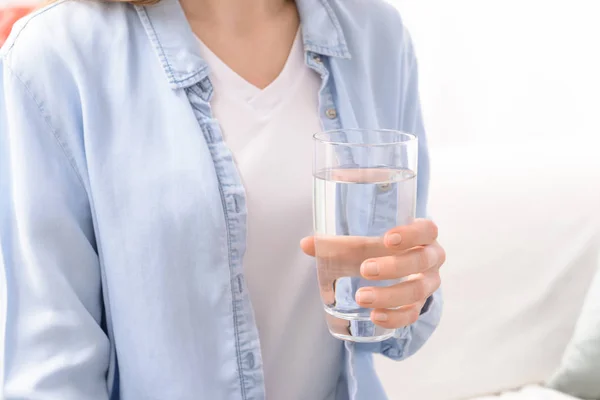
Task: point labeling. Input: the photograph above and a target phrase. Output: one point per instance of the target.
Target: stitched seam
(196, 91)
(337, 25)
(339, 51)
(154, 37)
(324, 50)
(46, 119)
(162, 55)
(238, 349)
(193, 76)
(29, 19)
(194, 106)
(235, 309)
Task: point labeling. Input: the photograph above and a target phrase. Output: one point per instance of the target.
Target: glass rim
(409, 138)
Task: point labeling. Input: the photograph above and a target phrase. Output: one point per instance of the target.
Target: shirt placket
(327, 109)
(233, 197)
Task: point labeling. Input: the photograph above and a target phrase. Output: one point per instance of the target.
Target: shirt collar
(178, 51)
(321, 29)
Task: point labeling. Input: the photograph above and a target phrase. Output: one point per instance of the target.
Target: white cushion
(520, 228)
(579, 373)
(529, 393)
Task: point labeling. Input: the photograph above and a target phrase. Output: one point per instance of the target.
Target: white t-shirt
(270, 132)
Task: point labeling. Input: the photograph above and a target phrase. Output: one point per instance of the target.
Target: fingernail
(394, 239)
(370, 268)
(365, 296)
(380, 317)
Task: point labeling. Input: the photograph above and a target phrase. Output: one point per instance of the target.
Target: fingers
(308, 246)
(420, 233)
(342, 256)
(398, 318)
(343, 247)
(416, 288)
(413, 261)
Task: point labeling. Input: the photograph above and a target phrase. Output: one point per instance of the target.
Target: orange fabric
(8, 16)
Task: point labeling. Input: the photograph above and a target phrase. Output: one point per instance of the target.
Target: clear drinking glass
(364, 185)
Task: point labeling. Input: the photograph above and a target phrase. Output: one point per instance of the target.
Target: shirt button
(250, 362)
(317, 59)
(384, 187)
(331, 113)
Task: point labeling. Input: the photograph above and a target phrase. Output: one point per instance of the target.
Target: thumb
(308, 245)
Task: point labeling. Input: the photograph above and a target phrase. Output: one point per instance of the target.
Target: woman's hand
(411, 252)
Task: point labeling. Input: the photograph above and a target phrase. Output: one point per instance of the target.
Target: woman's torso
(269, 134)
(128, 96)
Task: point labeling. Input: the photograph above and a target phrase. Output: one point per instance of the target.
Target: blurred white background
(511, 98)
(507, 70)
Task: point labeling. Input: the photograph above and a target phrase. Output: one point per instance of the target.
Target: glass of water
(364, 185)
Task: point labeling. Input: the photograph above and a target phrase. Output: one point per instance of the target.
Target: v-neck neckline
(229, 81)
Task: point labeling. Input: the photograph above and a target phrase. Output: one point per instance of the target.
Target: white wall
(507, 70)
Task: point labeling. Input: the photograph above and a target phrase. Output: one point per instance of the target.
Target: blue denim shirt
(122, 215)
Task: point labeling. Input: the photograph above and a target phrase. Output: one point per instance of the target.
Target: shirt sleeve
(50, 282)
(409, 340)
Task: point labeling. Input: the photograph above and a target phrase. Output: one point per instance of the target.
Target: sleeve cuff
(410, 339)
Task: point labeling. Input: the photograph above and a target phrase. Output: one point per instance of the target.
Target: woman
(137, 143)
